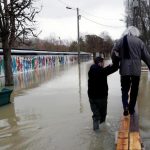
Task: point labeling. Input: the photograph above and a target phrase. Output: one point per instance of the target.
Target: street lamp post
(78, 33)
(78, 17)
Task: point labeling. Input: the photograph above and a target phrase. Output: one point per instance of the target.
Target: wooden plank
(128, 139)
(134, 123)
(123, 134)
(125, 124)
(128, 135)
(122, 144)
(135, 142)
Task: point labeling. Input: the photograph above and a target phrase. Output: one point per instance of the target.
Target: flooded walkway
(144, 109)
(50, 111)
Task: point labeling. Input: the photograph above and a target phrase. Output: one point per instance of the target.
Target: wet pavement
(50, 111)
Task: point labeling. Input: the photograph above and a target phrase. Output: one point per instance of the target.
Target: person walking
(98, 89)
(131, 50)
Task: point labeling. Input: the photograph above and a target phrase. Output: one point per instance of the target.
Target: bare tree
(107, 43)
(17, 20)
(73, 46)
(138, 14)
(94, 44)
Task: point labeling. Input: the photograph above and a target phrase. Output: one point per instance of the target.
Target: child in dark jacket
(98, 89)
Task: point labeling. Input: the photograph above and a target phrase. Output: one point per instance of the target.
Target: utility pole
(78, 32)
(78, 35)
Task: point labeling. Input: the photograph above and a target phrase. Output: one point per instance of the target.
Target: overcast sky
(56, 20)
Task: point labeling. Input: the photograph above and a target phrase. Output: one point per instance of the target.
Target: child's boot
(95, 124)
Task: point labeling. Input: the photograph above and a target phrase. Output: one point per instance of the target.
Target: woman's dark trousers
(129, 83)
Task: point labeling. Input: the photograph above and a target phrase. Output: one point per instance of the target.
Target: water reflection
(8, 121)
(33, 79)
(144, 108)
(8, 118)
(15, 126)
(80, 88)
(8, 126)
(30, 79)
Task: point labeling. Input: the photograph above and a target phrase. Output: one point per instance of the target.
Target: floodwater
(50, 111)
(144, 109)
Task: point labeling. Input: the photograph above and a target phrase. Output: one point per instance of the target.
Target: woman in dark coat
(131, 50)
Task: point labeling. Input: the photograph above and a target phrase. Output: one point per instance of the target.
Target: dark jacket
(97, 82)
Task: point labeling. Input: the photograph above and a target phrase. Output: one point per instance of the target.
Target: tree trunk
(94, 55)
(7, 64)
